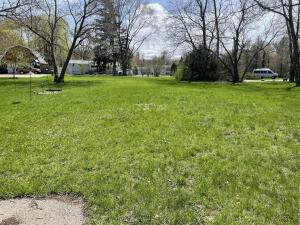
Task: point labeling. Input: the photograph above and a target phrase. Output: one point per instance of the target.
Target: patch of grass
(154, 150)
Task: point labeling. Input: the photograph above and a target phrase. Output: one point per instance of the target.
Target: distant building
(110, 68)
(166, 70)
(80, 67)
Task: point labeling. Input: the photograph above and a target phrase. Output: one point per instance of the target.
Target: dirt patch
(52, 210)
(150, 106)
(49, 92)
(10, 221)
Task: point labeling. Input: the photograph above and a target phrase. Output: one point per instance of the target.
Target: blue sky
(161, 2)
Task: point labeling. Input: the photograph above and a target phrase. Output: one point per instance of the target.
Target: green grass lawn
(154, 150)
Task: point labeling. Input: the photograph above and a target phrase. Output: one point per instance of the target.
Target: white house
(79, 67)
(110, 68)
(166, 70)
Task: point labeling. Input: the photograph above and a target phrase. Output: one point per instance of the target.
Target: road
(260, 81)
(24, 75)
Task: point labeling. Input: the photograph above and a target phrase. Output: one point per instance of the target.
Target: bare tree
(290, 11)
(282, 56)
(220, 7)
(8, 6)
(43, 18)
(241, 22)
(196, 24)
(123, 28)
(188, 23)
(133, 17)
(85, 50)
(81, 14)
(158, 63)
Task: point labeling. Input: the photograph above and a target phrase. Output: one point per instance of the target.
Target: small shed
(79, 67)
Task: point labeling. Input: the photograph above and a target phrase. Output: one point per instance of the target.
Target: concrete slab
(55, 210)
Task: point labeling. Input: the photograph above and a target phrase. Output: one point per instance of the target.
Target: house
(110, 68)
(166, 70)
(80, 67)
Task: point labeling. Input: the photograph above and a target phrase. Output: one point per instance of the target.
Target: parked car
(33, 67)
(265, 73)
(28, 69)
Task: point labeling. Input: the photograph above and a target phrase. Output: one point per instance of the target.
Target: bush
(251, 76)
(199, 65)
(179, 74)
(135, 71)
(173, 69)
(3, 70)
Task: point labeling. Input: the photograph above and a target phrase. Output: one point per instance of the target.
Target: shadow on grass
(79, 83)
(263, 87)
(42, 83)
(16, 103)
(267, 89)
(291, 88)
(175, 83)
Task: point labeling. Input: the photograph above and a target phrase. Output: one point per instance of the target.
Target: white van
(265, 73)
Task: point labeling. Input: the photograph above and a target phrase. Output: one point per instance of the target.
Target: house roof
(38, 56)
(35, 53)
(81, 62)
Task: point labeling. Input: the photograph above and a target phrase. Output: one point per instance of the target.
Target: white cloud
(158, 42)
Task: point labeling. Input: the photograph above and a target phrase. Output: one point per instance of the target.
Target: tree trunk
(125, 65)
(294, 38)
(296, 67)
(296, 58)
(61, 78)
(292, 73)
(115, 72)
(217, 28)
(54, 65)
(263, 62)
(235, 75)
(292, 65)
(124, 70)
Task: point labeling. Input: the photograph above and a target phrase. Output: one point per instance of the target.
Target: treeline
(275, 56)
(109, 31)
(231, 37)
(226, 39)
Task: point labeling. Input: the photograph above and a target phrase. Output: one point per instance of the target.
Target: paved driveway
(24, 75)
(260, 81)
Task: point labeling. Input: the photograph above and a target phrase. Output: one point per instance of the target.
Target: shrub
(173, 68)
(180, 72)
(199, 65)
(3, 70)
(251, 76)
(135, 71)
